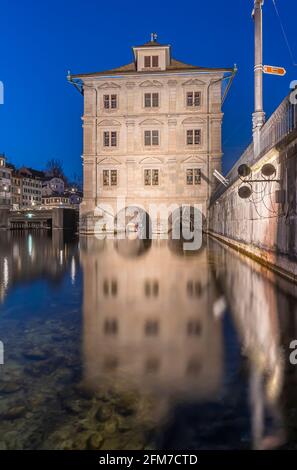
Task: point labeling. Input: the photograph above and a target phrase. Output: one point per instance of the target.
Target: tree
(54, 168)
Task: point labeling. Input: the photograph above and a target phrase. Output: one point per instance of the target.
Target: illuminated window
(110, 177)
(151, 177)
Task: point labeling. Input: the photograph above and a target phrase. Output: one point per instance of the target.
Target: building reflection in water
(153, 322)
(25, 257)
(253, 300)
(148, 319)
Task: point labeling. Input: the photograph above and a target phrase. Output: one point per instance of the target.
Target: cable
(284, 34)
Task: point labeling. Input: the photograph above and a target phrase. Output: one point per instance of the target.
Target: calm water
(138, 345)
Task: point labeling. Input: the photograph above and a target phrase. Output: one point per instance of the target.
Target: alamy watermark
(174, 221)
(293, 355)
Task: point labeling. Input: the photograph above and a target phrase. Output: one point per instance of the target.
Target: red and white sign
(271, 70)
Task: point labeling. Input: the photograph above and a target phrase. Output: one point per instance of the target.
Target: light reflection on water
(128, 344)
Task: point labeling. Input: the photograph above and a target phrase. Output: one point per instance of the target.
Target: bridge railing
(280, 124)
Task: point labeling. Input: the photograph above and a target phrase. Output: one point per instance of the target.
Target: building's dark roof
(175, 65)
(153, 44)
(32, 172)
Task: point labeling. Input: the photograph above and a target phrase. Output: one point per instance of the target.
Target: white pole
(258, 115)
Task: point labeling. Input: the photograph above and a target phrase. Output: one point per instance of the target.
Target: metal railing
(280, 124)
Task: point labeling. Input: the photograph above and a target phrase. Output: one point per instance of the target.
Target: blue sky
(40, 41)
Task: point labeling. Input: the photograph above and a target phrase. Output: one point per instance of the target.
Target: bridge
(45, 219)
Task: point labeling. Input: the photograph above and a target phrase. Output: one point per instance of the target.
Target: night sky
(41, 40)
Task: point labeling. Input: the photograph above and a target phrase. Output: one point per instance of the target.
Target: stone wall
(263, 226)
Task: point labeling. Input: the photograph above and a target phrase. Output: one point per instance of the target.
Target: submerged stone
(15, 412)
(95, 441)
(9, 387)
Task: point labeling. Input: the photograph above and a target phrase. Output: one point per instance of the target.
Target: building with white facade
(52, 185)
(151, 133)
(31, 186)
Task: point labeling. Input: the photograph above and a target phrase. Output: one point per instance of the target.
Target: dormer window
(151, 61)
(110, 101)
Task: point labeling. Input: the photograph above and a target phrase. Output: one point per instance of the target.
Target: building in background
(52, 185)
(5, 183)
(56, 200)
(17, 190)
(152, 133)
(31, 186)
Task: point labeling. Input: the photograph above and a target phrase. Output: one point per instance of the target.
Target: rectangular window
(113, 100)
(151, 177)
(110, 101)
(193, 98)
(151, 100)
(197, 136)
(106, 139)
(190, 176)
(151, 61)
(147, 100)
(151, 138)
(106, 101)
(155, 177)
(147, 138)
(155, 61)
(189, 137)
(147, 177)
(110, 177)
(194, 137)
(155, 137)
(155, 100)
(113, 177)
(110, 139)
(147, 61)
(113, 139)
(193, 176)
(197, 98)
(105, 177)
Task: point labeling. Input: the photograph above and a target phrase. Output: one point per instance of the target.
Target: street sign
(271, 70)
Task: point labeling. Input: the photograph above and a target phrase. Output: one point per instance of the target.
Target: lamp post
(258, 115)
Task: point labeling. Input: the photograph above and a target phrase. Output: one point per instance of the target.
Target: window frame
(110, 139)
(110, 178)
(151, 138)
(194, 136)
(193, 176)
(110, 101)
(151, 100)
(193, 99)
(151, 177)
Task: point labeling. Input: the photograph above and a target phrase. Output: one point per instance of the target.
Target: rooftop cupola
(152, 56)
